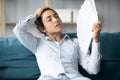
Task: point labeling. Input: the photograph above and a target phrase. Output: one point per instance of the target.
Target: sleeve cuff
(30, 19)
(95, 44)
(96, 50)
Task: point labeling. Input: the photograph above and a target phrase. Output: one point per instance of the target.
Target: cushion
(16, 61)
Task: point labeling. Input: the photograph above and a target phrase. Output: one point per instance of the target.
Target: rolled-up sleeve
(91, 61)
(26, 38)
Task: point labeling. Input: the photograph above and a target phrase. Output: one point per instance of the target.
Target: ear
(43, 30)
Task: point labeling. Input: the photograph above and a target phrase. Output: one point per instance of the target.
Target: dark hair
(39, 23)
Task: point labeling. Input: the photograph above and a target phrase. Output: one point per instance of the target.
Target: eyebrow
(50, 15)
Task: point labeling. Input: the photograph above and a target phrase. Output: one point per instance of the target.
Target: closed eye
(56, 15)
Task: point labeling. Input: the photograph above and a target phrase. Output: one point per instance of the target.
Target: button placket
(59, 52)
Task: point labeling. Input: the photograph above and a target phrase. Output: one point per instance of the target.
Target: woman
(57, 54)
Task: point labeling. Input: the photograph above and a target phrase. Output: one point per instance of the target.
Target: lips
(58, 25)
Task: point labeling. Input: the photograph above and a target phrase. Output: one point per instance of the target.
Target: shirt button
(28, 20)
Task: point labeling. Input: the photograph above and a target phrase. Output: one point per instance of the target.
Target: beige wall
(2, 18)
(108, 11)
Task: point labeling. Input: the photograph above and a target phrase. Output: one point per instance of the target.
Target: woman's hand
(39, 10)
(96, 28)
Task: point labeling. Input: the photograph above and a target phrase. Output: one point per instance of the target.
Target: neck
(56, 37)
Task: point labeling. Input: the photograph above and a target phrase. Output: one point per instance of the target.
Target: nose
(55, 19)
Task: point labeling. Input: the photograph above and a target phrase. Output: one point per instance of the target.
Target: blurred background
(11, 11)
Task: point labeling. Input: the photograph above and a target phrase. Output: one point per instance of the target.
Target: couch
(18, 63)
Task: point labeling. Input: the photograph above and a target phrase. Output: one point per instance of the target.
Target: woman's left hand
(96, 28)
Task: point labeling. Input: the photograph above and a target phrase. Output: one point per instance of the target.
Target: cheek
(48, 26)
(45, 23)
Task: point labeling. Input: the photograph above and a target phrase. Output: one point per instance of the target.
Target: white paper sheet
(87, 16)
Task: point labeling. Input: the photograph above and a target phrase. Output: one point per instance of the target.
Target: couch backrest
(110, 50)
(110, 46)
(18, 62)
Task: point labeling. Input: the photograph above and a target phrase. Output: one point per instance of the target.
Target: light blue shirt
(55, 58)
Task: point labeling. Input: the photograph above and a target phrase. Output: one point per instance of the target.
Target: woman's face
(52, 22)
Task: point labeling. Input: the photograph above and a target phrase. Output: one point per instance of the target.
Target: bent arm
(91, 62)
(26, 38)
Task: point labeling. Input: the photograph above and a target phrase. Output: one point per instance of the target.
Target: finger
(96, 28)
(39, 10)
(99, 23)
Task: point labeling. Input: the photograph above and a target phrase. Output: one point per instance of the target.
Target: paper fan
(86, 18)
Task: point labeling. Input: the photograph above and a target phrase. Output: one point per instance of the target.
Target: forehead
(48, 13)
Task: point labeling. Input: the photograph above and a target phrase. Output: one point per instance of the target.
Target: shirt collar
(48, 38)
(65, 36)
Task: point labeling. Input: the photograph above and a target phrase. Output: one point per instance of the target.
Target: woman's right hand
(39, 10)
